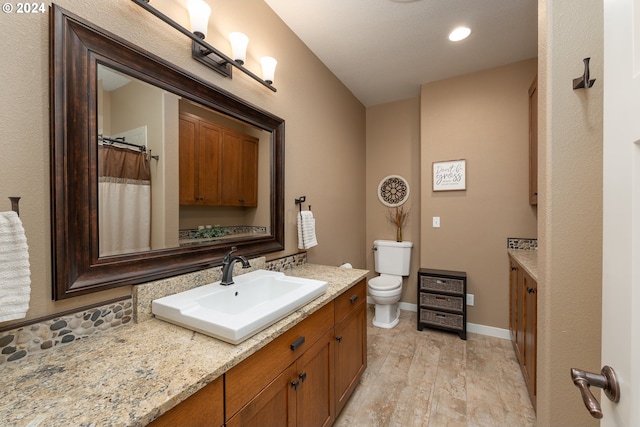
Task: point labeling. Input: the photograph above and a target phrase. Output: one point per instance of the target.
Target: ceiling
(383, 50)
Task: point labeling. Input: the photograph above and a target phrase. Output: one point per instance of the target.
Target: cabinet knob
(302, 376)
(353, 298)
(339, 338)
(514, 268)
(295, 384)
(531, 290)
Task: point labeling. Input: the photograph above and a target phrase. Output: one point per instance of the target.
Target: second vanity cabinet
(523, 307)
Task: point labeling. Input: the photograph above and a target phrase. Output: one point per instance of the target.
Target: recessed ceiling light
(459, 33)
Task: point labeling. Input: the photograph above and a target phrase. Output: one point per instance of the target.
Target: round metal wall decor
(393, 190)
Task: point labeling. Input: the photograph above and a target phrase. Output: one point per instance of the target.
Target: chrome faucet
(227, 266)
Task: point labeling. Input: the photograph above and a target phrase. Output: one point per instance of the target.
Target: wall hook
(583, 82)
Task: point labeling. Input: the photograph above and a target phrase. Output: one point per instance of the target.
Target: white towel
(15, 275)
(306, 230)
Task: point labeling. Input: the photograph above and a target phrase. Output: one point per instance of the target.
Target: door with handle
(621, 209)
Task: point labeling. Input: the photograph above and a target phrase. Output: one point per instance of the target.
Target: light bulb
(459, 33)
(239, 42)
(199, 13)
(268, 68)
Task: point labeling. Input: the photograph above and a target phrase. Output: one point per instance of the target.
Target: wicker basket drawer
(449, 320)
(441, 301)
(442, 285)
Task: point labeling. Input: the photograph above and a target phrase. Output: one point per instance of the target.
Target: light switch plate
(436, 222)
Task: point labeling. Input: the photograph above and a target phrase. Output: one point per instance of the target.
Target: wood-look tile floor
(433, 378)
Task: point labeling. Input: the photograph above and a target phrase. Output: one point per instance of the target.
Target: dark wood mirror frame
(77, 47)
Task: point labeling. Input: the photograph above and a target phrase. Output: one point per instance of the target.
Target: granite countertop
(128, 376)
(528, 259)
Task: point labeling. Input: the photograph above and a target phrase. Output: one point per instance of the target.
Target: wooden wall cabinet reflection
(218, 166)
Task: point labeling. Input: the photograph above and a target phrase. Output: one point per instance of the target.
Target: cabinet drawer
(441, 301)
(449, 320)
(350, 299)
(245, 380)
(439, 284)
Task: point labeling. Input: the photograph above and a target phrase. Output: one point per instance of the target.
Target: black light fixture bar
(223, 67)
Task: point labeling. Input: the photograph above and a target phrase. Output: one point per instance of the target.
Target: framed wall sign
(450, 175)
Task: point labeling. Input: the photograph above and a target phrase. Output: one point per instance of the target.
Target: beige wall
(393, 148)
(482, 118)
(325, 124)
(570, 206)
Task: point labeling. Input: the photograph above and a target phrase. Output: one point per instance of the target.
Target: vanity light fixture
(202, 51)
(459, 33)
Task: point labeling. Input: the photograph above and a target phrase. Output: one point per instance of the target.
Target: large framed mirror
(154, 171)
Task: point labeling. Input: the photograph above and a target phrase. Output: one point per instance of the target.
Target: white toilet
(392, 261)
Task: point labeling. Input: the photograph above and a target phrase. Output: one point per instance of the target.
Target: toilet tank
(392, 257)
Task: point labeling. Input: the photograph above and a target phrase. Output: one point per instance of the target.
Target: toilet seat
(385, 283)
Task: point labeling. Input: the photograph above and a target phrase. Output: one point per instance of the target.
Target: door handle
(607, 381)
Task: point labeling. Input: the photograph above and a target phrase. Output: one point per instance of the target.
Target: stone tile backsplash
(65, 329)
(61, 330)
(524, 244)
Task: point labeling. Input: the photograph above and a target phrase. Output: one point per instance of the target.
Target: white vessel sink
(234, 313)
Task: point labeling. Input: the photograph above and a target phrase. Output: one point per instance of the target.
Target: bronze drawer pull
(353, 298)
(297, 343)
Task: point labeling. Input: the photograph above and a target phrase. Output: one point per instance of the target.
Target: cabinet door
(275, 405)
(204, 408)
(199, 161)
(513, 299)
(239, 169)
(249, 194)
(231, 168)
(188, 131)
(351, 354)
(315, 393)
(521, 321)
(530, 344)
(208, 164)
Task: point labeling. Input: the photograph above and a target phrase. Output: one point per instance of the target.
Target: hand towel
(15, 275)
(306, 230)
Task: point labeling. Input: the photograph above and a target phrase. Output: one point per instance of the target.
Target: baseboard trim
(475, 328)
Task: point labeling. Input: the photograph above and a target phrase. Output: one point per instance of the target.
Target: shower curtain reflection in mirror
(124, 200)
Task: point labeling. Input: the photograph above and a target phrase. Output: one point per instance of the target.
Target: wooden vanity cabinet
(302, 378)
(203, 408)
(523, 308)
(351, 342)
(299, 396)
(255, 387)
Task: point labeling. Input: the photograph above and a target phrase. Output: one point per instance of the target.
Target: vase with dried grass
(398, 217)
